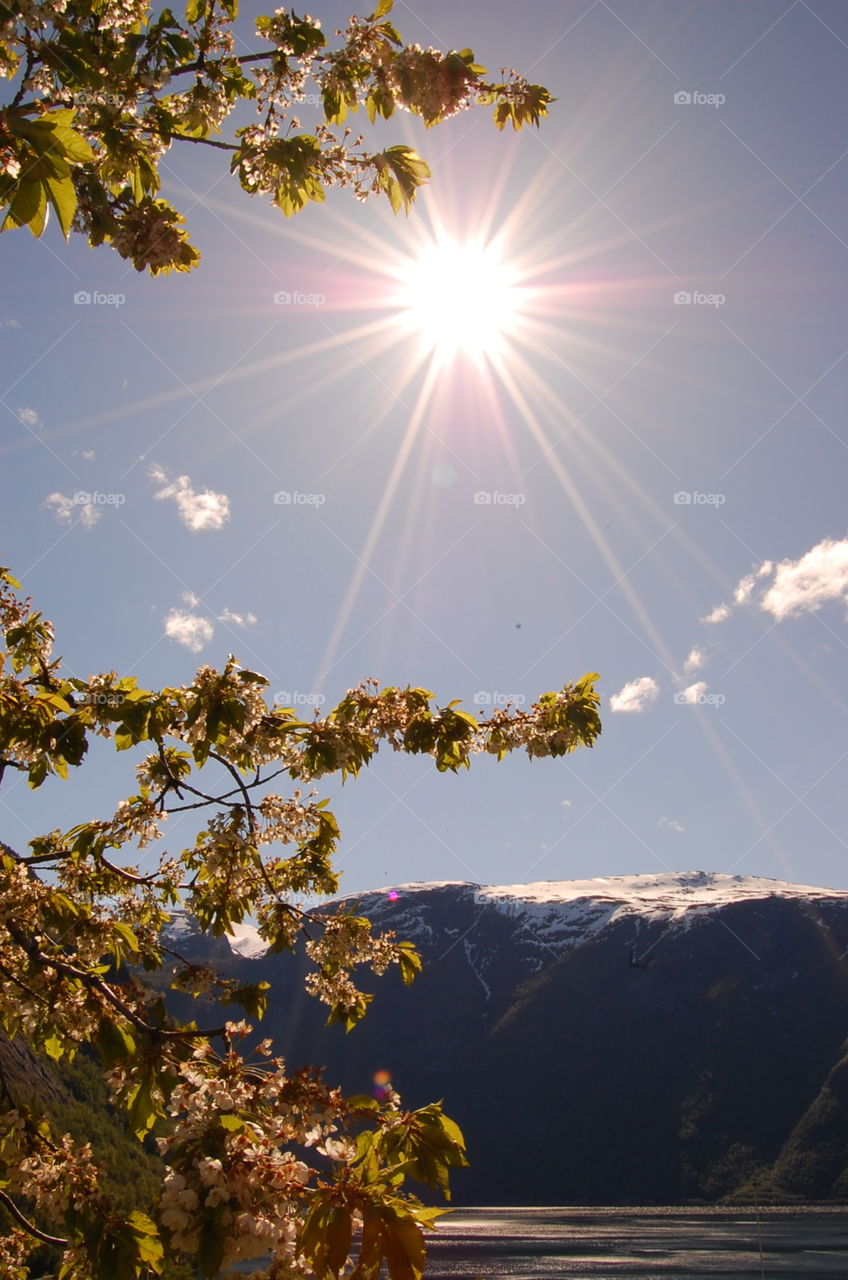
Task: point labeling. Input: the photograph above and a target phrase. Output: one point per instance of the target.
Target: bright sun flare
(459, 298)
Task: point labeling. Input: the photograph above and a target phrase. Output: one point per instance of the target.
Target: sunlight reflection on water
(641, 1244)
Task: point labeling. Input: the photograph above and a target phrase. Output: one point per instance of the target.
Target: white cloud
(566, 804)
(238, 619)
(189, 598)
(804, 585)
(693, 692)
(671, 823)
(635, 696)
(30, 418)
(9, 323)
(89, 515)
(744, 589)
(64, 509)
(188, 629)
(198, 509)
(719, 614)
(694, 661)
(88, 454)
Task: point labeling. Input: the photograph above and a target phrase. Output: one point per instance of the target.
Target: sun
(459, 298)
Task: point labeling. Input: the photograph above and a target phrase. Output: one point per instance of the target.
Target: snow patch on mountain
(245, 940)
(550, 917)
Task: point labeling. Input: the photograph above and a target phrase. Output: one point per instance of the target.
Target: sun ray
(330, 658)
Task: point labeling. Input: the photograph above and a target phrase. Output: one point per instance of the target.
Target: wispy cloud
(238, 619)
(30, 418)
(188, 629)
(671, 823)
(198, 509)
(636, 696)
(66, 509)
(719, 614)
(745, 586)
(695, 660)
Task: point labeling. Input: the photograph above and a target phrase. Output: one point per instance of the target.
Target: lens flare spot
(382, 1084)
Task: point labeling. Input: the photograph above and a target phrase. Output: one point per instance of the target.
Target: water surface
(640, 1244)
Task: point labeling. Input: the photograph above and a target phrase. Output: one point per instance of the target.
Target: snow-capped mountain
(542, 921)
(628, 1039)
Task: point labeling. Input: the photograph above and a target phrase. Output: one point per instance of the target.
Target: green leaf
(230, 1122)
(363, 1102)
(142, 1106)
(409, 962)
(54, 1048)
(28, 207)
(253, 998)
(403, 1243)
(114, 1042)
(401, 171)
(148, 1244)
(383, 7)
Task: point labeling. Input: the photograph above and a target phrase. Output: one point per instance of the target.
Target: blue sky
(648, 459)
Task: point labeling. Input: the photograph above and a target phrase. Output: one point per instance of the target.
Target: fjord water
(640, 1244)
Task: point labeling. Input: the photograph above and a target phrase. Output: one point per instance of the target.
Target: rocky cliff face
(632, 1039)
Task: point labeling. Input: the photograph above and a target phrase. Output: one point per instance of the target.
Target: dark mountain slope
(625, 1040)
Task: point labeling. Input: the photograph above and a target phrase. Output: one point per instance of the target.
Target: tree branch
(200, 64)
(206, 142)
(59, 1241)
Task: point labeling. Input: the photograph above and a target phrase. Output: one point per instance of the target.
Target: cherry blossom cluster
(249, 1117)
